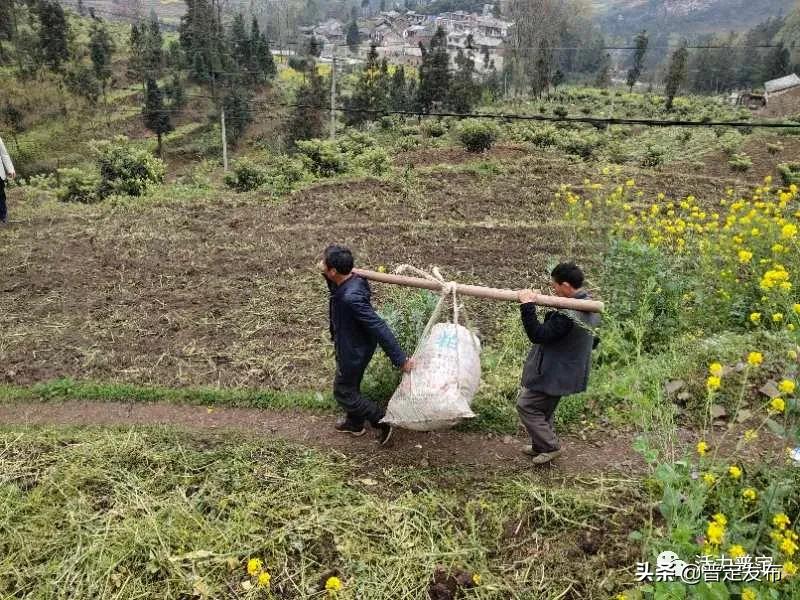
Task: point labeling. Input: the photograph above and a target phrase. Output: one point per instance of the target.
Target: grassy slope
(154, 513)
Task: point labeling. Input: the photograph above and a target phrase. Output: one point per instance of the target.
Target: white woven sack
(437, 394)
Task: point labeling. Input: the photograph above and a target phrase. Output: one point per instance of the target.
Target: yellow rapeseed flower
(334, 584)
(755, 358)
(264, 578)
(789, 568)
(476, 578)
(715, 533)
(749, 594)
(254, 566)
(709, 479)
(777, 405)
(715, 368)
(702, 448)
(788, 547)
(755, 317)
(713, 383)
(789, 231)
(750, 435)
(790, 327)
(787, 386)
(736, 551)
(777, 317)
(630, 183)
(720, 519)
(745, 256)
(792, 354)
(734, 471)
(796, 309)
(749, 494)
(781, 521)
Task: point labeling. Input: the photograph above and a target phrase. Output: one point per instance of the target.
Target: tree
(353, 37)
(777, 63)
(398, 90)
(240, 43)
(156, 117)
(175, 92)
(434, 74)
(544, 66)
(53, 32)
(136, 43)
(371, 92)
(464, 93)
(201, 39)
(81, 81)
(676, 74)
(262, 62)
(101, 49)
(238, 114)
(11, 116)
(154, 43)
(307, 120)
(603, 79)
(638, 59)
(558, 79)
(314, 47)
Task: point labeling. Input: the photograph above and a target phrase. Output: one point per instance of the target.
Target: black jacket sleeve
(366, 315)
(551, 330)
(331, 289)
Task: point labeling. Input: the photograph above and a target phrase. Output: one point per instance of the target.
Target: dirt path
(599, 452)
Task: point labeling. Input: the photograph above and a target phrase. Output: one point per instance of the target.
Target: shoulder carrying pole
(482, 292)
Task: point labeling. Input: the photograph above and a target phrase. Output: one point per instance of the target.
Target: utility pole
(224, 142)
(333, 94)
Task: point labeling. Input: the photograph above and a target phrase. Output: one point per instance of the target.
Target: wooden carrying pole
(482, 292)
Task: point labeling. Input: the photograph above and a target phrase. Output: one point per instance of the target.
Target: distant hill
(688, 17)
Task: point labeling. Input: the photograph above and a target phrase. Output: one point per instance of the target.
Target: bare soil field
(224, 293)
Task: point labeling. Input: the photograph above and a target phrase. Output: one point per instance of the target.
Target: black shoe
(384, 433)
(351, 428)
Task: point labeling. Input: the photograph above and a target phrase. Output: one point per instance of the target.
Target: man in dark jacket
(559, 362)
(356, 330)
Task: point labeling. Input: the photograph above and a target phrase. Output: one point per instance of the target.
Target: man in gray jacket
(6, 172)
(559, 362)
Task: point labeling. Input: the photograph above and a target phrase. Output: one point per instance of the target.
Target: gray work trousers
(537, 411)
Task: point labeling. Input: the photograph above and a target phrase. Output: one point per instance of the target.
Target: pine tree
(81, 81)
(101, 50)
(136, 43)
(53, 33)
(240, 43)
(603, 79)
(434, 74)
(463, 93)
(676, 74)
(314, 47)
(398, 90)
(353, 37)
(156, 117)
(201, 39)
(175, 93)
(638, 59)
(371, 92)
(777, 63)
(308, 118)
(543, 69)
(238, 114)
(262, 60)
(154, 42)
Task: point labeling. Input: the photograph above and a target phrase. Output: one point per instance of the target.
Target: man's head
(567, 278)
(338, 262)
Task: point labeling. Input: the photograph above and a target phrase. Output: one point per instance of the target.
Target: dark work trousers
(347, 392)
(537, 411)
(3, 209)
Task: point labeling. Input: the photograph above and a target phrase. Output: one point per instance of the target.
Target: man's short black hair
(339, 258)
(568, 272)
